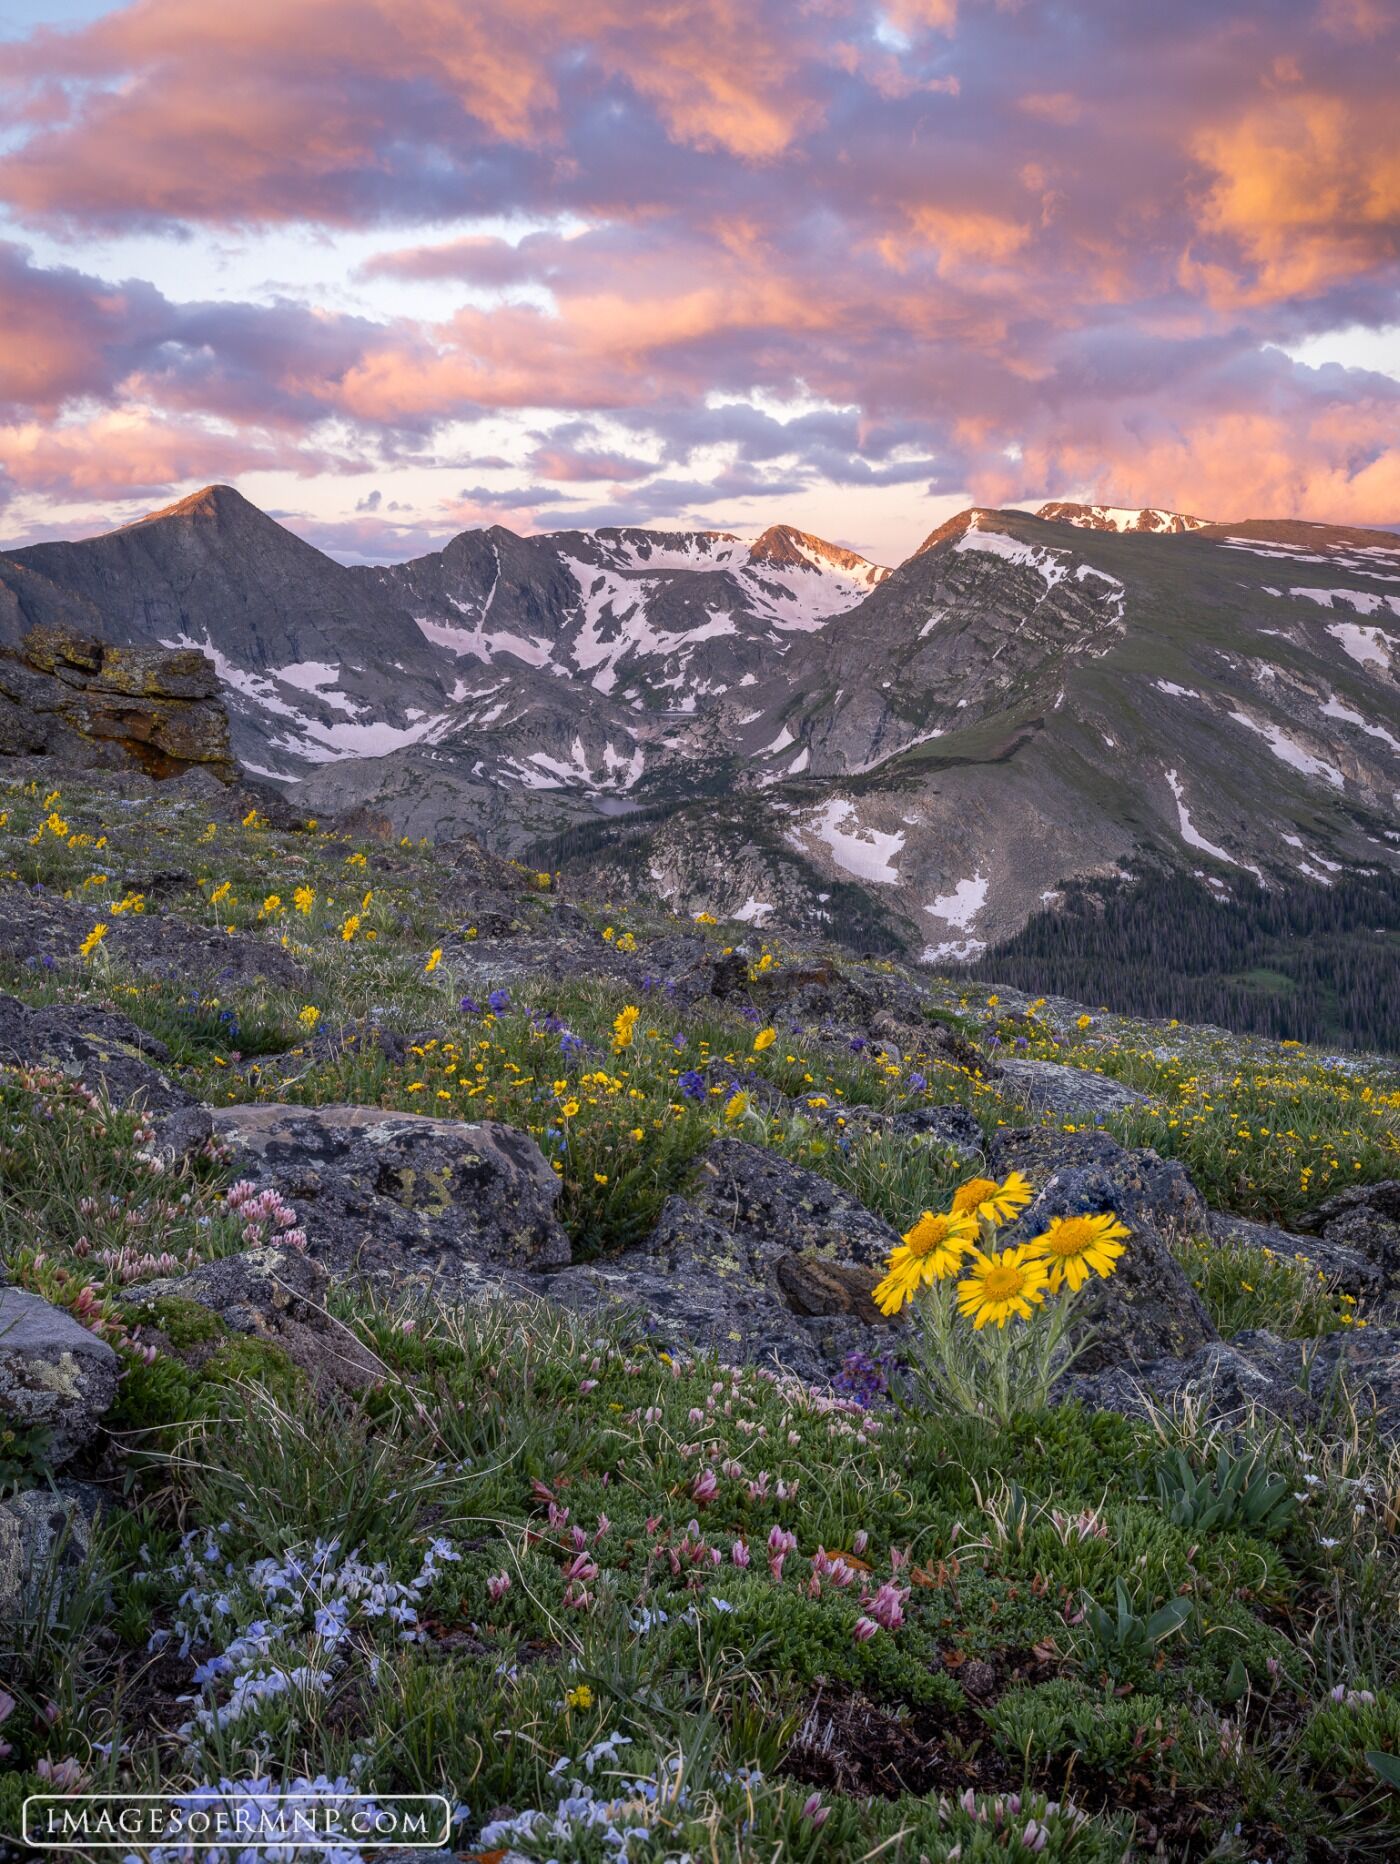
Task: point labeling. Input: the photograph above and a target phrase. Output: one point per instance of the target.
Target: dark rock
(1147, 1310)
(1296, 1379)
(755, 1192)
(1068, 1093)
(1345, 1269)
(153, 707)
(696, 1286)
(111, 1056)
(1366, 1220)
(55, 1376)
(953, 1125)
(275, 1294)
(37, 927)
(1229, 1377)
(1147, 1189)
(45, 1539)
(405, 1199)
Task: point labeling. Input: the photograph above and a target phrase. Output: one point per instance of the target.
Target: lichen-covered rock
(153, 707)
(1147, 1310)
(1365, 1219)
(45, 1539)
(1068, 1093)
(270, 1293)
(1147, 1189)
(55, 1376)
(757, 1193)
(111, 1056)
(404, 1199)
(1347, 1270)
(695, 1285)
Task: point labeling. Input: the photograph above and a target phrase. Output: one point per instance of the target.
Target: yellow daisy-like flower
(434, 960)
(931, 1251)
(998, 1203)
(1074, 1245)
(764, 1039)
(93, 940)
(1008, 1282)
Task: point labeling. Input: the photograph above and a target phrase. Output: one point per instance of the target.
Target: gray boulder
(404, 1199)
(953, 1126)
(758, 1194)
(695, 1285)
(1364, 1218)
(45, 1538)
(272, 1294)
(1293, 1379)
(1068, 1093)
(55, 1376)
(1147, 1190)
(1148, 1309)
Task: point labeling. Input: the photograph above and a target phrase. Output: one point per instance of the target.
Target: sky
(396, 268)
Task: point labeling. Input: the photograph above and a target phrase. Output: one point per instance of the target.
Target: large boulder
(74, 696)
(1255, 1370)
(1148, 1309)
(403, 1199)
(695, 1285)
(1147, 1190)
(755, 1192)
(55, 1376)
(110, 1055)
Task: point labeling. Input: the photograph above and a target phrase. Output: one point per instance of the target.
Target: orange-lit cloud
(730, 250)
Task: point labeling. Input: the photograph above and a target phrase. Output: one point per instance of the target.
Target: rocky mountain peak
(784, 546)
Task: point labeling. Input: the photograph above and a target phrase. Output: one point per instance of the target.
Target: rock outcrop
(72, 696)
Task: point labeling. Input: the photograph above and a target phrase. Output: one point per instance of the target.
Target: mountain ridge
(779, 728)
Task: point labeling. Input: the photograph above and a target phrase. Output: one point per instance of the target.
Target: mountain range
(921, 757)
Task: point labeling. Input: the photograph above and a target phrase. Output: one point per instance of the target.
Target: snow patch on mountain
(1289, 751)
(959, 909)
(867, 853)
(1050, 563)
(1335, 709)
(1370, 647)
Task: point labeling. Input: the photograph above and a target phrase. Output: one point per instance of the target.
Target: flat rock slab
(756, 1192)
(1364, 1218)
(55, 1376)
(1072, 1093)
(402, 1198)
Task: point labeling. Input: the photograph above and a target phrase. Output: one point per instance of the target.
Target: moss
(184, 1323)
(245, 1361)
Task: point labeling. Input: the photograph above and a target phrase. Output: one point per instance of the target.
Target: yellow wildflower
(764, 1039)
(579, 1697)
(932, 1250)
(304, 899)
(92, 941)
(1074, 1245)
(624, 1026)
(309, 1017)
(1001, 1285)
(434, 960)
(998, 1203)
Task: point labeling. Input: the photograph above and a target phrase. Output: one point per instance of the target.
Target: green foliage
(184, 1323)
(1237, 1492)
(1243, 1286)
(1121, 1642)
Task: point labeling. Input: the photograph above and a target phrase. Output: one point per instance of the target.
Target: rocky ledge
(97, 706)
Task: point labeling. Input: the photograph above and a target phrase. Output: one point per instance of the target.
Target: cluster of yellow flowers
(998, 1284)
